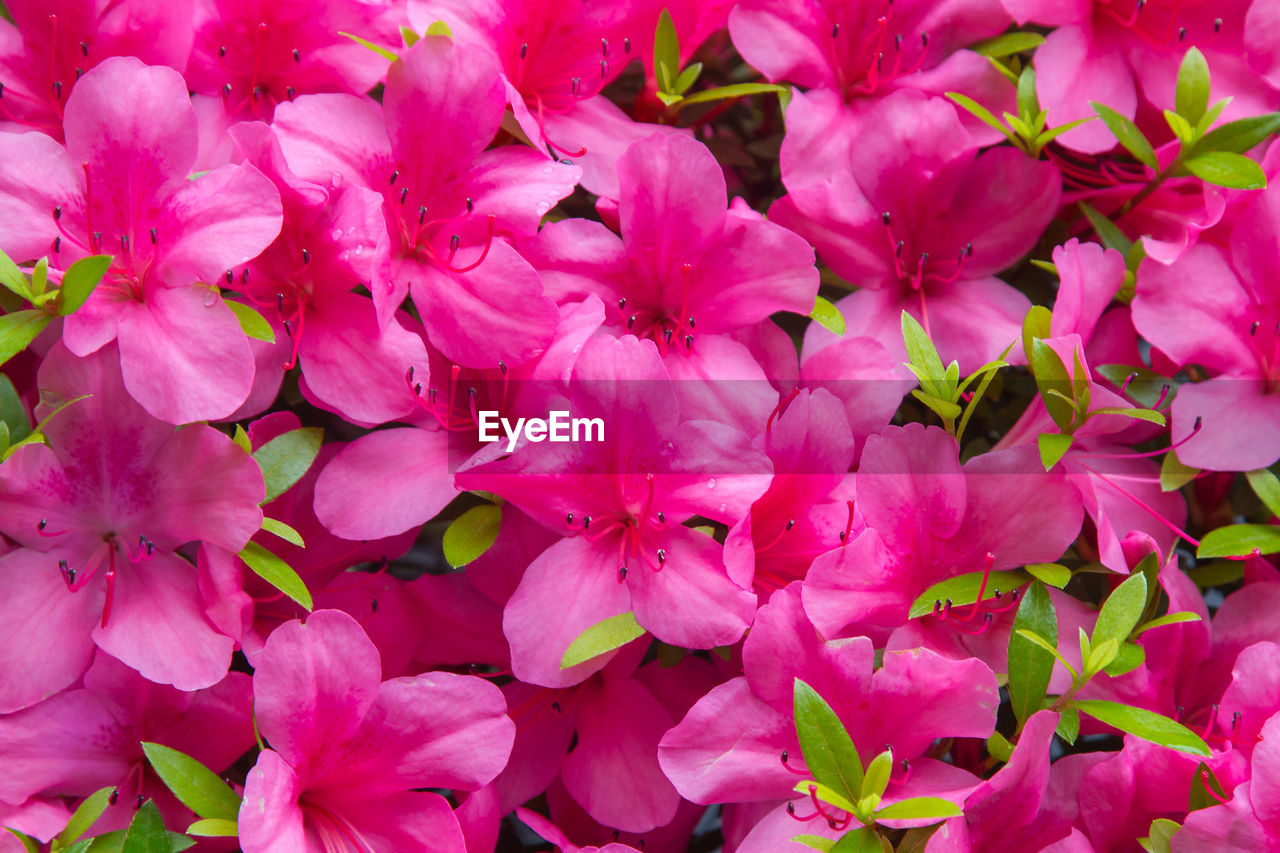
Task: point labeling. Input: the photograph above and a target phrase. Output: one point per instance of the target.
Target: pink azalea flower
(249, 56)
(349, 364)
(349, 752)
(929, 518)
(621, 504)
(1231, 329)
(738, 743)
(922, 221)
(121, 187)
(448, 203)
(552, 833)
(52, 43)
(90, 737)
(100, 512)
(1119, 53)
(554, 75)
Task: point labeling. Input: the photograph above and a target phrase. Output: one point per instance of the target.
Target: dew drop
(209, 298)
(336, 233)
(711, 484)
(336, 179)
(546, 170)
(666, 449)
(359, 250)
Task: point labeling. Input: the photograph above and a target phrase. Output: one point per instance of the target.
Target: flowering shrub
(438, 425)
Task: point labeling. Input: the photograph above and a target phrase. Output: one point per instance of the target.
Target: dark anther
(1182, 33)
(226, 89)
(568, 519)
(524, 50)
(114, 798)
(1217, 25)
(222, 51)
(502, 365)
(124, 243)
(662, 556)
(79, 73)
(297, 57)
(622, 303)
(626, 45)
(57, 89)
(230, 276)
(84, 49)
(791, 524)
(404, 192)
(555, 706)
(622, 574)
(44, 522)
(631, 321)
(453, 243)
(137, 803)
(153, 242)
(604, 47)
(289, 92)
(835, 30)
(471, 205)
(924, 39)
(886, 218)
(667, 333)
(662, 518)
(692, 324)
(394, 175)
(257, 92)
(373, 605)
(422, 214)
(688, 341)
(57, 214)
(57, 244)
(586, 522)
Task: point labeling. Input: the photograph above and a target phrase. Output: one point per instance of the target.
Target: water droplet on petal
(546, 170)
(359, 250)
(209, 298)
(336, 179)
(711, 484)
(722, 508)
(666, 448)
(336, 233)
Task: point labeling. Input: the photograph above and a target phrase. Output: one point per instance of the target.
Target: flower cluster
(887, 404)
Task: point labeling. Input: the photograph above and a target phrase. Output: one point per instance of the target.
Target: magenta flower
(349, 364)
(100, 512)
(554, 74)
(349, 752)
(90, 737)
(249, 56)
(738, 744)
(921, 221)
(121, 187)
(52, 43)
(448, 203)
(929, 518)
(621, 504)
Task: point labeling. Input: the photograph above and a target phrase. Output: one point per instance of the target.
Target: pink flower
(349, 752)
(53, 42)
(121, 187)
(249, 56)
(448, 203)
(921, 221)
(621, 504)
(108, 502)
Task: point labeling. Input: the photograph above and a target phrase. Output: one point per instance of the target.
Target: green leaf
(1267, 487)
(1051, 375)
(1110, 234)
(284, 531)
(1204, 781)
(687, 78)
(1144, 724)
(1127, 134)
(923, 358)
(1030, 665)
(999, 748)
(981, 113)
(666, 97)
(1192, 96)
(863, 840)
(1051, 648)
(920, 808)
(1227, 169)
(1028, 103)
(252, 323)
(29, 844)
(12, 413)
(409, 36)
(1180, 126)
(666, 50)
(963, 589)
(471, 534)
(1054, 132)
(1053, 446)
(825, 794)
(1241, 135)
(943, 409)
(1168, 619)
(12, 278)
(1146, 386)
(1240, 540)
(877, 776)
(1148, 415)
(817, 842)
(1217, 573)
(1121, 611)
(79, 281)
(385, 52)
(736, 90)
(604, 636)
(1128, 657)
(241, 439)
(1007, 44)
(1160, 836)
(198, 787)
(146, 833)
(439, 28)
(19, 329)
(828, 750)
(276, 572)
(1069, 725)
(1053, 574)
(214, 828)
(1173, 474)
(84, 816)
(1037, 324)
(285, 458)
(827, 315)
